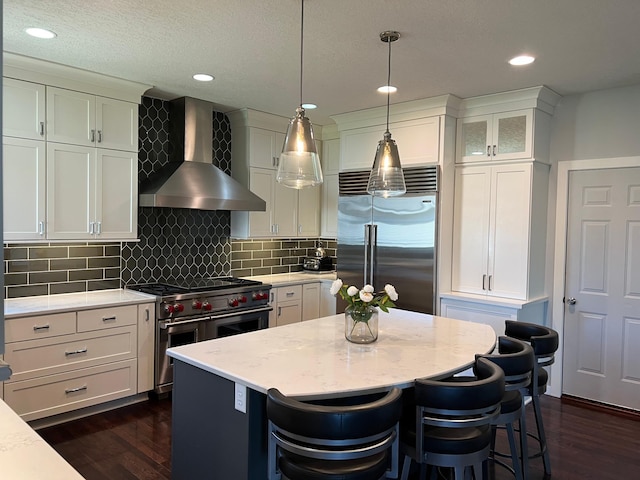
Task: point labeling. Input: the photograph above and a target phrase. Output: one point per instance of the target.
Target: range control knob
(233, 302)
(242, 299)
(178, 307)
(206, 306)
(197, 304)
(169, 309)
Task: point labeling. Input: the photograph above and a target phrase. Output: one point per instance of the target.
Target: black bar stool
(348, 442)
(544, 342)
(516, 358)
(452, 421)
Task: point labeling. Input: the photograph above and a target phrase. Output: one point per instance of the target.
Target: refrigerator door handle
(370, 241)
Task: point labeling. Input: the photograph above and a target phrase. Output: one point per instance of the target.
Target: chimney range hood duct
(191, 180)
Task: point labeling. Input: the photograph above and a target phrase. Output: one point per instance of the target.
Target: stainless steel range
(205, 309)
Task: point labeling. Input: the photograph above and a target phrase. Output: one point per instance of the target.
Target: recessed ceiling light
(309, 106)
(203, 77)
(40, 32)
(387, 89)
(522, 60)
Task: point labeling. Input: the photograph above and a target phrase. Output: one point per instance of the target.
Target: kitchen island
(219, 419)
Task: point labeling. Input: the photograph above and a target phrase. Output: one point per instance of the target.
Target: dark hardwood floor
(135, 443)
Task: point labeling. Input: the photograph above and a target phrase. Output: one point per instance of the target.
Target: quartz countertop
(312, 359)
(24, 455)
(65, 302)
(284, 279)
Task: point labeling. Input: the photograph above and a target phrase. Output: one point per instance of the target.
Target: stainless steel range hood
(191, 180)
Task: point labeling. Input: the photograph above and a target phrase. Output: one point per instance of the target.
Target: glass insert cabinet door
(501, 136)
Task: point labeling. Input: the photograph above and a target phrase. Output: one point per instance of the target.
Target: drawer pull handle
(109, 319)
(77, 389)
(76, 352)
(290, 294)
(37, 328)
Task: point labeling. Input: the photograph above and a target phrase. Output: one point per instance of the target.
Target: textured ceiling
(252, 47)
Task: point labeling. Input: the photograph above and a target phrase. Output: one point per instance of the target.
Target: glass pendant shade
(299, 165)
(386, 178)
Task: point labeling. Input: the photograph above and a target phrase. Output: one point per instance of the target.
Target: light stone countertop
(66, 302)
(312, 359)
(284, 279)
(24, 455)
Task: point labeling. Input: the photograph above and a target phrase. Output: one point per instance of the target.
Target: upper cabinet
(23, 110)
(256, 150)
(81, 119)
(330, 170)
(70, 173)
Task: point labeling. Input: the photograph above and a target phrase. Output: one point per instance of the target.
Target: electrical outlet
(240, 398)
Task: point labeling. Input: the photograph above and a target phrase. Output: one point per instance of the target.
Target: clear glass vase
(361, 324)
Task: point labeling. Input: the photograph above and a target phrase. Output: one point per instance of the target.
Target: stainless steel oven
(204, 310)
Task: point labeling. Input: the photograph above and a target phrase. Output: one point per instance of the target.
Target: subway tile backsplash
(44, 269)
(268, 256)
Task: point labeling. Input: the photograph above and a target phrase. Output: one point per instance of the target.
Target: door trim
(560, 248)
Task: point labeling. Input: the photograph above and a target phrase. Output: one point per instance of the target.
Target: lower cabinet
(287, 305)
(327, 299)
(493, 314)
(296, 303)
(310, 301)
(65, 361)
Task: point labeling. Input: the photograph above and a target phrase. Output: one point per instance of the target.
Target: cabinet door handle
(99, 136)
(490, 277)
(279, 311)
(77, 389)
(147, 316)
(271, 297)
(37, 328)
(494, 150)
(484, 281)
(299, 228)
(109, 319)
(42, 129)
(92, 228)
(488, 150)
(76, 352)
(93, 136)
(41, 228)
(98, 228)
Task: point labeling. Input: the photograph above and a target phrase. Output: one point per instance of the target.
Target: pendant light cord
(388, 82)
(301, 47)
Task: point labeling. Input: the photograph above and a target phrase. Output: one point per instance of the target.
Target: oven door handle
(164, 324)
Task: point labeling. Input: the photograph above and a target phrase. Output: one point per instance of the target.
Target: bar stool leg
(542, 439)
(515, 461)
(524, 448)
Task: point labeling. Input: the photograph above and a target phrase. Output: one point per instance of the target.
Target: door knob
(570, 301)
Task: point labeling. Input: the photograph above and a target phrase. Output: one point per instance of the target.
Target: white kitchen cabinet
(79, 118)
(330, 191)
(289, 212)
(91, 193)
(24, 188)
(146, 346)
(23, 108)
(500, 230)
(500, 136)
(310, 301)
(287, 305)
(418, 143)
(327, 300)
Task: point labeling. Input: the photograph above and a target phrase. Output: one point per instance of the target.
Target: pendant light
(386, 178)
(299, 165)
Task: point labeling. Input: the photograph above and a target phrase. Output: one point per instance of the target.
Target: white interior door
(602, 328)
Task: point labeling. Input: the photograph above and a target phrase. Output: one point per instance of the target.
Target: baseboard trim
(601, 407)
(87, 411)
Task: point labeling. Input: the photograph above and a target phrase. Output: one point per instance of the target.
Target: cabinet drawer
(292, 292)
(99, 319)
(62, 354)
(54, 394)
(42, 326)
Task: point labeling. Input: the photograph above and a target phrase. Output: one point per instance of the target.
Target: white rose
(366, 297)
(335, 286)
(391, 291)
(368, 289)
(351, 291)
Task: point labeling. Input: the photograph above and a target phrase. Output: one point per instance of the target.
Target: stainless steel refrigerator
(390, 240)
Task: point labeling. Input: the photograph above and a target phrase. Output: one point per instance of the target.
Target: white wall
(591, 130)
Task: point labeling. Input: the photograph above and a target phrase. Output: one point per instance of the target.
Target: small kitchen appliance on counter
(319, 262)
